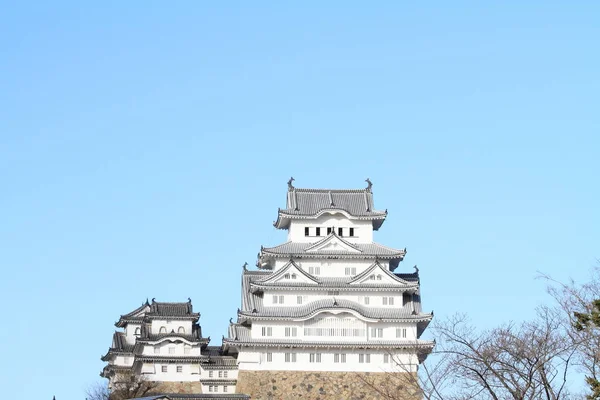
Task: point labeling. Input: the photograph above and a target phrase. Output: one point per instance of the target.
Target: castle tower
(163, 343)
(326, 308)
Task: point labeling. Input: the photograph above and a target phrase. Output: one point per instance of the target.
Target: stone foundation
(177, 387)
(283, 385)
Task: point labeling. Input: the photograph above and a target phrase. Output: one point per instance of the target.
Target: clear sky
(145, 149)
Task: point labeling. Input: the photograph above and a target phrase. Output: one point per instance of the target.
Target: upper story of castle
(330, 226)
(313, 214)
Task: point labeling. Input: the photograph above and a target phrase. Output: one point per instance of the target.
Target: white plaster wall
(399, 362)
(231, 374)
(363, 230)
(171, 325)
(290, 298)
(164, 346)
(130, 332)
(219, 389)
(388, 330)
(123, 360)
(190, 373)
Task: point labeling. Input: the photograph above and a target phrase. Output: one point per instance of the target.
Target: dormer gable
(376, 275)
(332, 244)
(290, 273)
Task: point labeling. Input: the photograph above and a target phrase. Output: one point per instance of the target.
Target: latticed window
(401, 333)
(269, 357)
(291, 331)
(364, 358)
(339, 358)
(267, 331)
(290, 357)
(179, 368)
(314, 357)
(335, 327)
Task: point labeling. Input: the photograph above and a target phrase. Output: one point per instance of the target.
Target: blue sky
(145, 149)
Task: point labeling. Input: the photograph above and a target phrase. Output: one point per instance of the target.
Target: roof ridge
(305, 190)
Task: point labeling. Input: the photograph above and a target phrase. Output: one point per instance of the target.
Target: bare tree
(527, 361)
(129, 386)
(580, 306)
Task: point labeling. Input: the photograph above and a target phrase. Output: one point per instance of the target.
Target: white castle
(328, 300)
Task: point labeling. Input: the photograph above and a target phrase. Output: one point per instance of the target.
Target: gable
(332, 243)
(377, 275)
(291, 273)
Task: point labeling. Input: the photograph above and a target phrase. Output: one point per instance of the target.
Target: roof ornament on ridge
(290, 185)
(369, 185)
(245, 266)
(416, 268)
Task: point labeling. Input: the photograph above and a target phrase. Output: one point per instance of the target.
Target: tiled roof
(311, 202)
(171, 309)
(119, 346)
(170, 359)
(406, 344)
(411, 281)
(306, 311)
(158, 310)
(367, 250)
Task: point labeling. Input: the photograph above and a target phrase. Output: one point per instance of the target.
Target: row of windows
(215, 388)
(338, 358)
(186, 349)
(337, 332)
(385, 301)
(163, 329)
(179, 369)
(340, 231)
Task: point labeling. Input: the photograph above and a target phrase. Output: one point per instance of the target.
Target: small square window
(224, 389)
(351, 232)
(163, 368)
(269, 357)
(318, 232)
(340, 232)
(329, 230)
(179, 368)
(211, 374)
(306, 231)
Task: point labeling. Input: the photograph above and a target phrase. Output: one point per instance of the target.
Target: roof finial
(153, 299)
(244, 266)
(416, 268)
(231, 320)
(189, 300)
(369, 185)
(290, 185)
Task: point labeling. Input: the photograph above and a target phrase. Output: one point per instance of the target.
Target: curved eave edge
(266, 252)
(428, 346)
(351, 288)
(283, 218)
(253, 317)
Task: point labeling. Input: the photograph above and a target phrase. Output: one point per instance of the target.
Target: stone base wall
(283, 385)
(177, 387)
